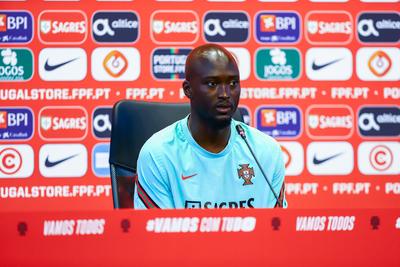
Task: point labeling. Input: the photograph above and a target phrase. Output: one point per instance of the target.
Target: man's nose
(224, 90)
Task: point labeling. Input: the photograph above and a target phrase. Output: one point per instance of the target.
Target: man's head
(212, 84)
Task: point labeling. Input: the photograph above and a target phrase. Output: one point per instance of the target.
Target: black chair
(134, 122)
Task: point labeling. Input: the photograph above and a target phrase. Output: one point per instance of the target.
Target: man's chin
(222, 121)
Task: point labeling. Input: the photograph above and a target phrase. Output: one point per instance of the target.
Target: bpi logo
(226, 27)
(63, 123)
(169, 63)
(15, 27)
(115, 27)
(102, 122)
(100, 156)
(16, 124)
(379, 158)
(329, 121)
(277, 27)
(16, 161)
(277, 64)
(378, 64)
(115, 64)
(62, 27)
(379, 27)
(279, 122)
(293, 157)
(329, 27)
(16, 64)
(379, 121)
(174, 27)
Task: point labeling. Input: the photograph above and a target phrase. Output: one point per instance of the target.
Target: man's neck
(212, 139)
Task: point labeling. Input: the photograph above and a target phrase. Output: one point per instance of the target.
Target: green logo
(277, 64)
(16, 64)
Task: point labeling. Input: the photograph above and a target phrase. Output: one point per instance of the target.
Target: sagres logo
(63, 160)
(378, 64)
(102, 122)
(277, 64)
(16, 64)
(329, 27)
(115, 64)
(293, 156)
(62, 64)
(379, 121)
(277, 27)
(62, 26)
(16, 123)
(379, 27)
(15, 27)
(330, 158)
(169, 63)
(115, 27)
(174, 27)
(242, 57)
(16, 161)
(329, 121)
(100, 155)
(279, 121)
(226, 27)
(379, 158)
(329, 64)
(63, 123)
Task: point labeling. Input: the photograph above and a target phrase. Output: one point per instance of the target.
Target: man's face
(215, 89)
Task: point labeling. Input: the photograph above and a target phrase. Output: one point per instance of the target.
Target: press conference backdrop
(322, 77)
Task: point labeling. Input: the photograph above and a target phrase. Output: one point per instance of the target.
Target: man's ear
(187, 89)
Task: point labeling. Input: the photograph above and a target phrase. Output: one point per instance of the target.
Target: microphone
(242, 134)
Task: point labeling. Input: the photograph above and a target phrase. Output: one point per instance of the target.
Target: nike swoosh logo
(187, 177)
(320, 161)
(50, 164)
(318, 67)
(49, 67)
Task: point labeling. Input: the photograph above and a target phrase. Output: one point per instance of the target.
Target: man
(201, 161)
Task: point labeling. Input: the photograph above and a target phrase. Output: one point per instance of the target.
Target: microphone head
(240, 131)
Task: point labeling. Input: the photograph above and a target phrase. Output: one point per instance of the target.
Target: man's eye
(211, 84)
(234, 83)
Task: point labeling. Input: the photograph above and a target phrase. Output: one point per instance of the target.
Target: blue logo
(16, 124)
(169, 63)
(15, 27)
(226, 27)
(100, 164)
(115, 27)
(378, 27)
(277, 27)
(245, 112)
(379, 121)
(279, 121)
(102, 122)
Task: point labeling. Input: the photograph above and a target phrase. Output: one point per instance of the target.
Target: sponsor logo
(378, 27)
(379, 121)
(378, 64)
(193, 204)
(329, 27)
(63, 123)
(329, 64)
(277, 27)
(329, 121)
(169, 63)
(100, 156)
(277, 64)
(115, 27)
(15, 27)
(16, 123)
(115, 64)
(63, 160)
(174, 27)
(16, 64)
(226, 27)
(62, 26)
(183, 177)
(245, 112)
(16, 161)
(242, 57)
(379, 158)
(279, 121)
(330, 158)
(102, 122)
(62, 64)
(293, 157)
